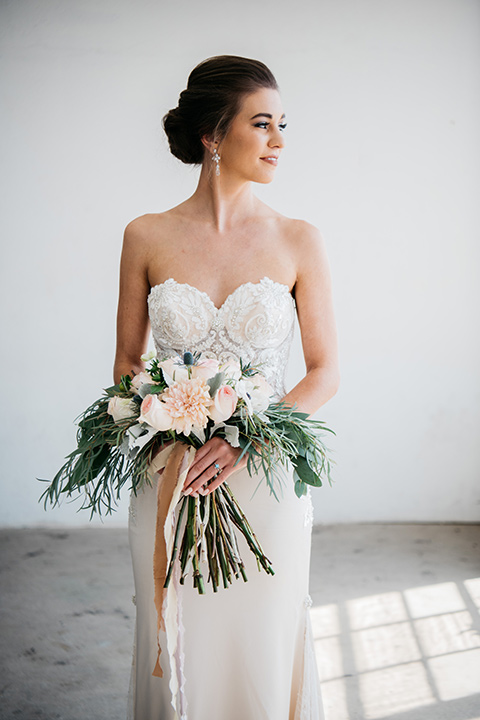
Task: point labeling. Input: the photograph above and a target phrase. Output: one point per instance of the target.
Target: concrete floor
(395, 617)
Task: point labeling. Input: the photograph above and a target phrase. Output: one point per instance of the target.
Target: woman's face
(252, 146)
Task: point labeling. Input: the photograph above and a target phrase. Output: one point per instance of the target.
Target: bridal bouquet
(190, 399)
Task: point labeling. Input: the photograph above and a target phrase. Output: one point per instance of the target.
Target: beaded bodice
(254, 323)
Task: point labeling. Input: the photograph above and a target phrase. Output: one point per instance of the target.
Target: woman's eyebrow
(267, 115)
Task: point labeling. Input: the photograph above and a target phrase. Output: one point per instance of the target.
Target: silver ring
(218, 469)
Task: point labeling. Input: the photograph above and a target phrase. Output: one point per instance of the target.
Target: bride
(223, 273)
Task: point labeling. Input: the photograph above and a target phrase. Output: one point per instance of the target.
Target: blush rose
(224, 403)
(142, 378)
(154, 413)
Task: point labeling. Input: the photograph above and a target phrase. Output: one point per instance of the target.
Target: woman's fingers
(204, 457)
(200, 468)
(226, 472)
(215, 452)
(201, 463)
(215, 483)
(201, 480)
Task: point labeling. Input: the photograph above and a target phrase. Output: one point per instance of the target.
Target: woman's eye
(264, 125)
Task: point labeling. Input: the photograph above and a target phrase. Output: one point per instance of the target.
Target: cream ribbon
(175, 460)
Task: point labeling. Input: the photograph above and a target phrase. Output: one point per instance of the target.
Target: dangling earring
(216, 160)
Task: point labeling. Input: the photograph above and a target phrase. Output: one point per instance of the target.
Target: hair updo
(215, 90)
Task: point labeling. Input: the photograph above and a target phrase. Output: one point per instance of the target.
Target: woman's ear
(209, 143)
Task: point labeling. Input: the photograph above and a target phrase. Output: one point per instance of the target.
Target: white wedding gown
(249, 648)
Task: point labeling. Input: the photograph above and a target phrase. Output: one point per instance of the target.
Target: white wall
(383, 156)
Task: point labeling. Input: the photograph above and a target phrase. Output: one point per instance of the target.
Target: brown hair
(215, 90)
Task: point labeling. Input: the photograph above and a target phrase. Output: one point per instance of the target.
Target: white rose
(121, 408)
(153, 412)
(224, 404)
(207, 368)
(172, 371)
(255, 391)
(232, 370)
(260, 393)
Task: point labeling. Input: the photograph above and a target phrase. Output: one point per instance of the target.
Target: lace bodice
(255, 323)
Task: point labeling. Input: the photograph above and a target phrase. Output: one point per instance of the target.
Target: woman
(222, 273)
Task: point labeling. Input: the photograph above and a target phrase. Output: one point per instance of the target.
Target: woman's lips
(270, 159)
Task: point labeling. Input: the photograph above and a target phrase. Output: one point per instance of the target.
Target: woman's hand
(213, 463)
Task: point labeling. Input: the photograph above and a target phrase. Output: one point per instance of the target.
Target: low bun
(213, 97)
(184, 143)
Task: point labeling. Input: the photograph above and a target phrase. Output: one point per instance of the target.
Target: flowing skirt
(248, 649)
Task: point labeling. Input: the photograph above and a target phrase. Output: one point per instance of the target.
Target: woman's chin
(264, 177)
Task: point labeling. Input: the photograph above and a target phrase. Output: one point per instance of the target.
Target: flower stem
(243, 525)
(212, 563)
(220, 540)
(197, 575)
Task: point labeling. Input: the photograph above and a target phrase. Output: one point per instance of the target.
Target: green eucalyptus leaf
(300, 489)
(300, 415)
(149, 389)
(113, 390)
(305, 472)
(215, 382)
(291, 433)
(302, 451)
(157, 389)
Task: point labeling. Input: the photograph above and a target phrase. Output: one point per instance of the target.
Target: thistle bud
(188, 358)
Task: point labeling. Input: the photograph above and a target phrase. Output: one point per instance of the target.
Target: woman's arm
(133, 325)
(313, 297)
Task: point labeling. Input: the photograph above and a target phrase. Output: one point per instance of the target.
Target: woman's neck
(222, 201)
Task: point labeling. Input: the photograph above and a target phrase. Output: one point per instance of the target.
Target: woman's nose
(277, 139)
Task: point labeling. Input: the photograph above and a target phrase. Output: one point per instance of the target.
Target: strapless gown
(248, 649)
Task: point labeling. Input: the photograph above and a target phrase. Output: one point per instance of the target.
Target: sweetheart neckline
(230, 295)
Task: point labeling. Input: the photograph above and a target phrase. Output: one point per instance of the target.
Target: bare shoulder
(147, 228)
(147, 235)
(306, 245)
(303, 234)
(292, 230)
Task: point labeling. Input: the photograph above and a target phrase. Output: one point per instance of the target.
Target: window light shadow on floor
(415, 653)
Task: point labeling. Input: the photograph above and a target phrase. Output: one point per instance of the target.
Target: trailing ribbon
(175, 460)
